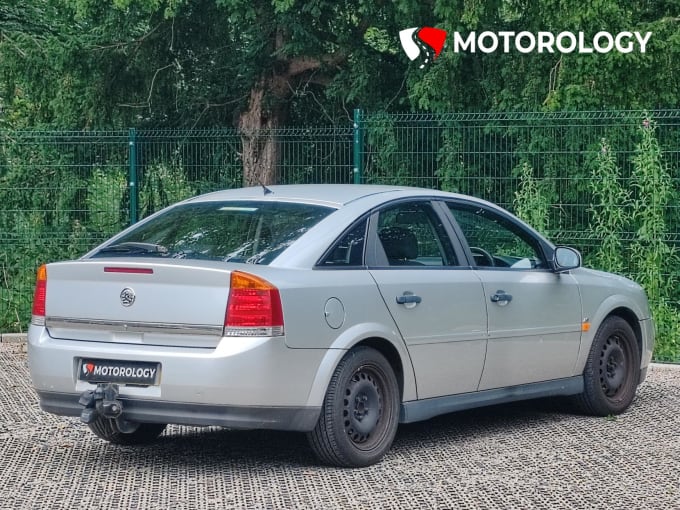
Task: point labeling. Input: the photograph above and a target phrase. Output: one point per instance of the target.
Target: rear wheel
(612, 370)
(144, 433)
(360, 412)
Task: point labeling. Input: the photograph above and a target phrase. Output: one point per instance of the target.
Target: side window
(349, 250)
(411, 234)
(495, 241)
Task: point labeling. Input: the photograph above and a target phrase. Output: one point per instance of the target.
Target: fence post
(358, 146)
(132, 175)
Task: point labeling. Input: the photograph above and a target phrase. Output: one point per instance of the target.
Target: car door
(534, 313)
(437, 303)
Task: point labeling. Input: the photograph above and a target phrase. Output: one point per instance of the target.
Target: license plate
(123, 372)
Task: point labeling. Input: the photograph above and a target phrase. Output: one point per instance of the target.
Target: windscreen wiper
(133, 248)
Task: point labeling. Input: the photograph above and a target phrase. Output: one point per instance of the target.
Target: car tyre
(105, 428)
(612, 370)
(360, 412)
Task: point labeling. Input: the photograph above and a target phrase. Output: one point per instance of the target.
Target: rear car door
(534, 313)
(436, 301)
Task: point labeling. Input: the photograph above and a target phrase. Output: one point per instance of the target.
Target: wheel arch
(387, 342)
(390, 352)
(632, 319)
(620, 306)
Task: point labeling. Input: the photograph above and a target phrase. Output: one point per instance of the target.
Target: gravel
(528, 455)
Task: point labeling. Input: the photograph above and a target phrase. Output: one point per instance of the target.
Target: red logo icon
(425, 41)
(88, 368)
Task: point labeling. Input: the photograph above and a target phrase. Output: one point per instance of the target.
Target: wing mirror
(565, 258)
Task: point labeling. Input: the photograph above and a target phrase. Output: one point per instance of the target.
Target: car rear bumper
(243, 383)
(235, 417)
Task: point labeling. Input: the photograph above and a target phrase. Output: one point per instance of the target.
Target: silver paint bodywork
(456, 345)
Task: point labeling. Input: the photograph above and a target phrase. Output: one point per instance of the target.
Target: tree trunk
(259, 148)
(267, 109)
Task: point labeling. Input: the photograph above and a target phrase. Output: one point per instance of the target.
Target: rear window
(235, 231)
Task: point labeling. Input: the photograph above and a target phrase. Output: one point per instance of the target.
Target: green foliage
(667, 325)
(450, 164)
(653, 258)
(105, 194)
(551, 81)
(531, 202)
(102, 64)
(121, 63)
(163, 185)
(388, 163)
(610, 218)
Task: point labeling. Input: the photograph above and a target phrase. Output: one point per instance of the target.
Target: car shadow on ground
(215, 445)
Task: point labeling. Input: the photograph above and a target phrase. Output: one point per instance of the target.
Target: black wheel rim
(615, 367)
(363, 413)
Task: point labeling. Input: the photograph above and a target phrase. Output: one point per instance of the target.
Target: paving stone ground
(529, 455)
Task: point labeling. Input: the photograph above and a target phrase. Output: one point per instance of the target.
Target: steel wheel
(612, 370)
(614, 365)
(360, 413)
(363, 410)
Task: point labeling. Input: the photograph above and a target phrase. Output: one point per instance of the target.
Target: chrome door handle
(408, 298)
(501, 298)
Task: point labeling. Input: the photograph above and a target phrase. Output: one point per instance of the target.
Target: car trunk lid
(174, 302)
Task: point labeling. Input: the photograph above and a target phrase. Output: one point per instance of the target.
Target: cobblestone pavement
(531, 455)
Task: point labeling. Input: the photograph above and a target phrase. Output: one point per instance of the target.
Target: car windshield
(251, 232)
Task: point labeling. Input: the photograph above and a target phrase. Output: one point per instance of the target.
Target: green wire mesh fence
(62, 193)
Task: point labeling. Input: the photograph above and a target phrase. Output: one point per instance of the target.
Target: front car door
(534, 313)
(433, 295)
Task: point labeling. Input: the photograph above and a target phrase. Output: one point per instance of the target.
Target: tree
(258, 65)
(292, 46)
(545, 81)
(253, 65)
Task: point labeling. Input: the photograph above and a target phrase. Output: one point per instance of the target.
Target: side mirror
(565, 258)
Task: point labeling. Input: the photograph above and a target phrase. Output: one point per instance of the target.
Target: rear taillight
(254, 307)
(38, 313)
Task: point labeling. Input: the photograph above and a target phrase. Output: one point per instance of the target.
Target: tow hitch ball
(104, 401)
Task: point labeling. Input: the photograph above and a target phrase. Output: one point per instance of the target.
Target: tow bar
(104, 401)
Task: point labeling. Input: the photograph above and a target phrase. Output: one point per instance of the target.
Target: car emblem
(127, 296)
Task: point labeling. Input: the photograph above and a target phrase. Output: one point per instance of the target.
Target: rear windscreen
(240, 231)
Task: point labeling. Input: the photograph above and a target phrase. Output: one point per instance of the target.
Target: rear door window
(412, 234)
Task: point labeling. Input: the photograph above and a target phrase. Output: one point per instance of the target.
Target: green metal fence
(62, 193)
(481, 155)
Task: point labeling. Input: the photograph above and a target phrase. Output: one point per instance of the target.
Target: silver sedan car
(335, 310)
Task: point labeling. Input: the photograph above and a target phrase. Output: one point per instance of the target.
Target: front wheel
(612, 370)
(144, 433)
(360, 412)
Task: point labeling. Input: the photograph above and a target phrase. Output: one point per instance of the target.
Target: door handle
(501, 298)
(408, 298)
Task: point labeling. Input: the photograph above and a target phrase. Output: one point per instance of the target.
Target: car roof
(333, 195)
